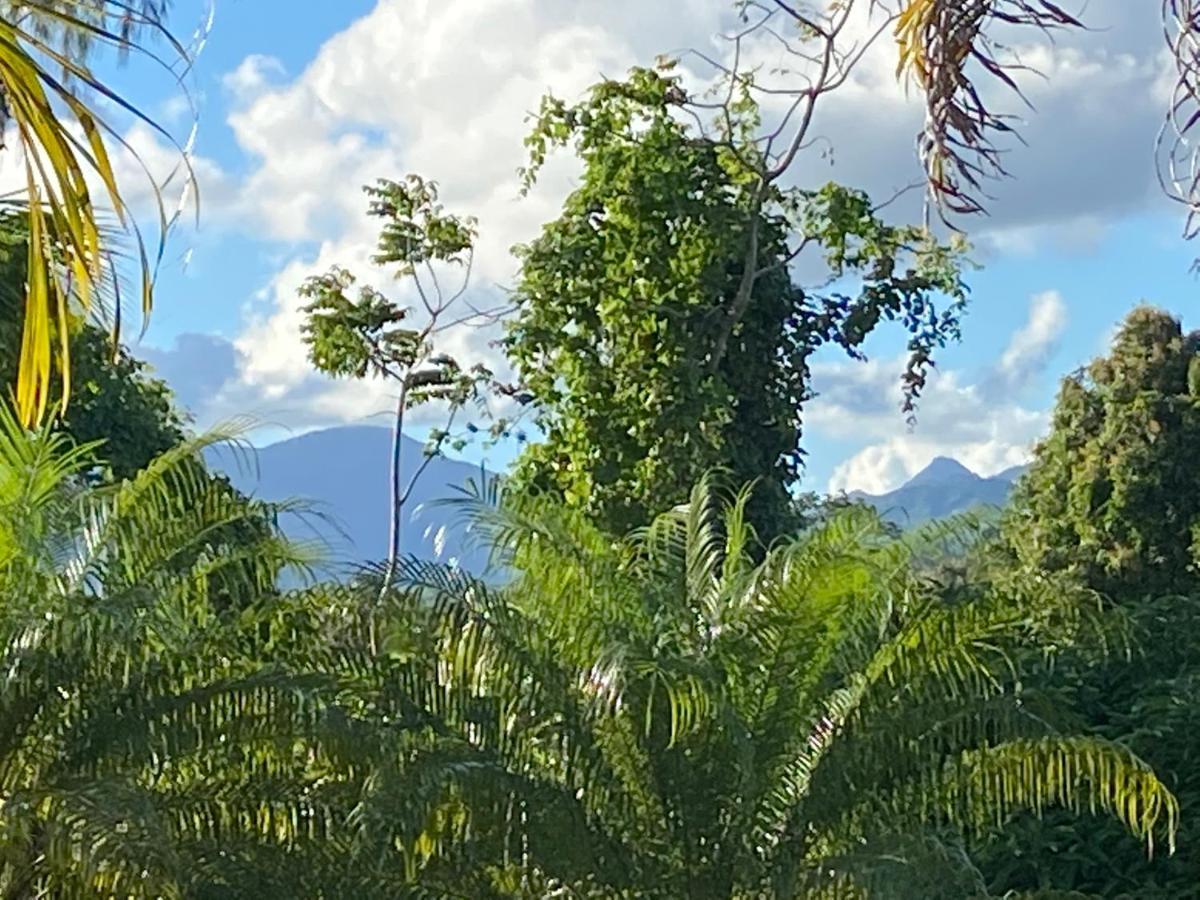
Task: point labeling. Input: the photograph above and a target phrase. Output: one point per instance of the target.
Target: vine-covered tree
(652, 349)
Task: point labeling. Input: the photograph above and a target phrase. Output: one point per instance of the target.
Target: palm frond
(984, 787)
(64, 143)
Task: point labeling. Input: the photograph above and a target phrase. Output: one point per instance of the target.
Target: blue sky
(298, 109)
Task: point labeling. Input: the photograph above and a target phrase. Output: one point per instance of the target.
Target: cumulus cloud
(395, 93)
(443, 88)
(979, 421)
(252, 75)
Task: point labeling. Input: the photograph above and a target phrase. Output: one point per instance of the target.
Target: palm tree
(64, 142)
(660, 717)
(152, 743)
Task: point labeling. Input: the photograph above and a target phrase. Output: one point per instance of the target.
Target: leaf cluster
(1110, 502)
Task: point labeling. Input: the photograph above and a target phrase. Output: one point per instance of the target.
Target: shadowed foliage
(1112, 501)
(116, 400)
(661, 717)
(148, 737)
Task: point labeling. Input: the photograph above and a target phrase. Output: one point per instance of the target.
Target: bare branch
(805, 20)
(1178, 156)
(908, 188)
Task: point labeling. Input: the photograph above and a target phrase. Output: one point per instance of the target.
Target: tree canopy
(116, 399)
(1113, 495)
(674, 681)
(662, 717)
(1112, 501)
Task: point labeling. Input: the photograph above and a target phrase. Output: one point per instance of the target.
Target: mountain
(942, 488)
(343, 473)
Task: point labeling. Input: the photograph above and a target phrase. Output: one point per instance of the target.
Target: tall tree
(652, 348)
(367, 335)
(1113, 495)
(1112, 501)
(660, 717)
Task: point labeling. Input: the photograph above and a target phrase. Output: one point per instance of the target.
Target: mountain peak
(942, 470)
(942, 488)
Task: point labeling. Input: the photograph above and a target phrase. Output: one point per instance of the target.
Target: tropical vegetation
(678, 677)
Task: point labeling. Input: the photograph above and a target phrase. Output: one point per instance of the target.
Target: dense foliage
(1112, 497)
(733, 699)
(652, 717)
(660, 717)
(647, 361)
(1112, 501)
(141, 750)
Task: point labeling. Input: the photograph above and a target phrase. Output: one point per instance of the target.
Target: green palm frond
(657, 716)
(733, 724)
(988, 785)
(152, 705)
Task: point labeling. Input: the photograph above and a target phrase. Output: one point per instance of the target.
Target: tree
(368, 336)
(65, 143)
(660, 717)
(125, 415)
(1112, 495)
(1112, 501)
(652, 348)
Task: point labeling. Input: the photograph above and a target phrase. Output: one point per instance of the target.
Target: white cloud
(985, 428)
(443, 87)
(252, 75)
(883, 467)
(396, 93)
(1030, 348)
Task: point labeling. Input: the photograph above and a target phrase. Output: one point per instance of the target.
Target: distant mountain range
(942, 488)
(343, 473)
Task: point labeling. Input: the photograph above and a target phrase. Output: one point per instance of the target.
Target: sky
(300, 105)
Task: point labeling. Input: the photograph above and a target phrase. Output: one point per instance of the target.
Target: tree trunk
(395, 504)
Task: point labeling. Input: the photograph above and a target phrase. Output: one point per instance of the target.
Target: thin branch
(896, 195)
(804, 20)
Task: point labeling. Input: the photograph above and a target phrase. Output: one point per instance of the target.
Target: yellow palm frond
(69, 173)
